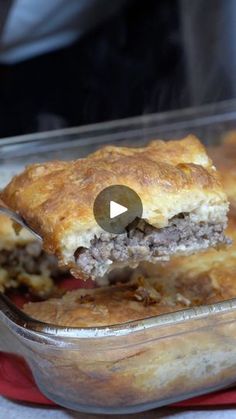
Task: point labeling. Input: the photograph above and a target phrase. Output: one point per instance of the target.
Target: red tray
(17, 382)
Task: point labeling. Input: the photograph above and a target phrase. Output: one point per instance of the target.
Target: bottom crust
(182, 282)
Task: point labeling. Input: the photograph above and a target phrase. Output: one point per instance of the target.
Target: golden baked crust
(56, 198)
(153, 289)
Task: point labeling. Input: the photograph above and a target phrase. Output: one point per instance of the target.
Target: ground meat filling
(145, 242)
(30, 258)
(29, 267)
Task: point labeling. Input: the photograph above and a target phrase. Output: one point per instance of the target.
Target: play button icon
(116, 207)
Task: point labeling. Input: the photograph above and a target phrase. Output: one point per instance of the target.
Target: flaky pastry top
(56, 198)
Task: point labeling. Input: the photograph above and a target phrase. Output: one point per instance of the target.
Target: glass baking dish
(142, 364)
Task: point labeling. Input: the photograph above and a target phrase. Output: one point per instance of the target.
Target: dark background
(139, 61)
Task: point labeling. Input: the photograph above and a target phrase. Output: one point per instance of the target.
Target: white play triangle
(116, 209)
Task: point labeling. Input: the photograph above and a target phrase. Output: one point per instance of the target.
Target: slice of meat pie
(184, 206)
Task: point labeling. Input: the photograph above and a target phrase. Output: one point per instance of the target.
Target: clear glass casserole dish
(138, 365)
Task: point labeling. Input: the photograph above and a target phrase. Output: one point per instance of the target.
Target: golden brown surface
(154, 289)
(56, 198)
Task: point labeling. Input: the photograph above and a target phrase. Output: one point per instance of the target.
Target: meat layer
(143, 242)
